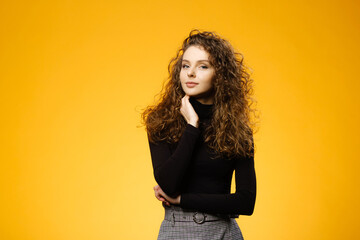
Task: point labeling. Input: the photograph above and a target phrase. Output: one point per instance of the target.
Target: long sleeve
(189, 169)
(241, 202)
(170, 168)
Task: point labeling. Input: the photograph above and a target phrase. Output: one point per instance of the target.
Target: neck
(204, 111)
(207, 100)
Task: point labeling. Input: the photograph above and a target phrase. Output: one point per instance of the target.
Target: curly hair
(232, 125)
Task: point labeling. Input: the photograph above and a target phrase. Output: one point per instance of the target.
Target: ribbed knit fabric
(186, 168)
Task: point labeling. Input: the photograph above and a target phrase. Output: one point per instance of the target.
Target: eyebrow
(204, 60)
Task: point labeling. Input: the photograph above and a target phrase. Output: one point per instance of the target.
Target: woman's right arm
(170, 168)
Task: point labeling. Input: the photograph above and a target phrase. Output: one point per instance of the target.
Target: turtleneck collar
(204, 111)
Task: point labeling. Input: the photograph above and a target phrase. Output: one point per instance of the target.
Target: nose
(191, 73)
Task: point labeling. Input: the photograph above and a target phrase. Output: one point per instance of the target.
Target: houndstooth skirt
(179, 224)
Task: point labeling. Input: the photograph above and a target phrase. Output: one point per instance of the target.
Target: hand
(188, 111)
(161, 196)
(158, 195)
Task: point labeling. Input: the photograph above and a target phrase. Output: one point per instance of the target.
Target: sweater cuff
(191, 129)
(184, 203)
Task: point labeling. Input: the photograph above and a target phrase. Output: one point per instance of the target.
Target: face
(196, 75)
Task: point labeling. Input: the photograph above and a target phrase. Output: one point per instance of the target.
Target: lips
(191, 84)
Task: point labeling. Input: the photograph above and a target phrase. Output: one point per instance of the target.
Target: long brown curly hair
(232, 125)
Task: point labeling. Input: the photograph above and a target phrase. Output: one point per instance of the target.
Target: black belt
(177, 214)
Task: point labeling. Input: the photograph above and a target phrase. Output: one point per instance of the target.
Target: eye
(185, 66)
(204, 67)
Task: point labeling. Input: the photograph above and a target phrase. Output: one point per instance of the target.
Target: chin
(192, 93)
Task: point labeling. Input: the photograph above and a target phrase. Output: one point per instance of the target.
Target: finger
(159, 197)
(187, 103)
(157, 194)
(186, 99)
(161, 192)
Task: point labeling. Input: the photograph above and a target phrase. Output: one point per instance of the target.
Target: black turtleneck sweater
(204, 183)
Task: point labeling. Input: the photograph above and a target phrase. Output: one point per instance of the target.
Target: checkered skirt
(224, 228)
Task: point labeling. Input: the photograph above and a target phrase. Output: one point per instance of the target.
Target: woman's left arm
(241, 202)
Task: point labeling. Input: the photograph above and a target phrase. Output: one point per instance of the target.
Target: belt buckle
(199, 219)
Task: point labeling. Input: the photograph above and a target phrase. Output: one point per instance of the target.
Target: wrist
(194, 123)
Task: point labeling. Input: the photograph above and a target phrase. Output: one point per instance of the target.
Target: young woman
(199, 132)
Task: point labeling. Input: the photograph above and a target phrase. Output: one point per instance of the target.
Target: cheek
(209, 79)
(182, 83)
(182, 75)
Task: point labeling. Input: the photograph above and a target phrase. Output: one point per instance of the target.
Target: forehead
(195, 52)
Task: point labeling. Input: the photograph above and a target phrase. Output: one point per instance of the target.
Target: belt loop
(172, 216)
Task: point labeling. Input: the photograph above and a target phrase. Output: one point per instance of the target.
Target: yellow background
(75, 75)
